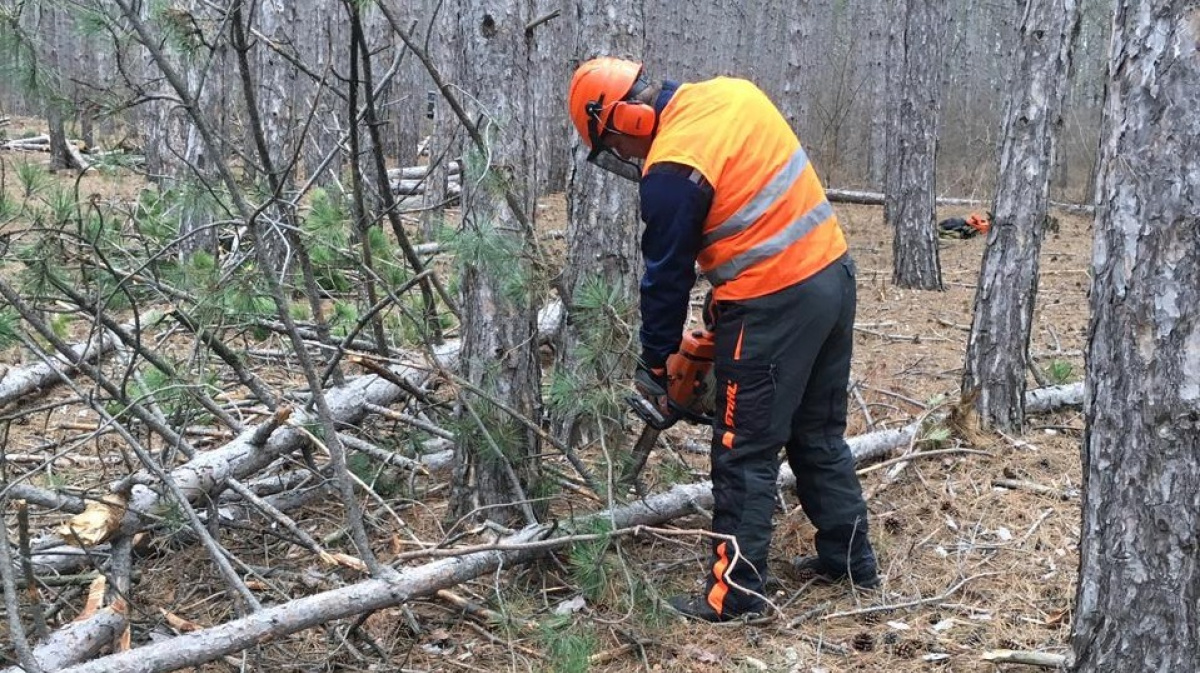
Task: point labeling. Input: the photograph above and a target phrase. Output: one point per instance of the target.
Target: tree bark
(998, 348)
(1138, 598)
(78, 641)
(18, 384)
(602, 252)
(914, 87)
(498, 462)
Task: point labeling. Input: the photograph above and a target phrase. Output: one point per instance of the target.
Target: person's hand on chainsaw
(651, 383)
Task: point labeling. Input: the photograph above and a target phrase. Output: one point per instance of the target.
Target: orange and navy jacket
(764, 225)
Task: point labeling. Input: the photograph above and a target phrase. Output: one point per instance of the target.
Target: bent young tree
(1138, 600)
(914, 75)
(998, 349)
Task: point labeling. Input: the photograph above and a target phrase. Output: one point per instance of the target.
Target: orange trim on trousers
(716, 595)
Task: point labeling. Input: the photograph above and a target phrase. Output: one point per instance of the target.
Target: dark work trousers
(782, 367)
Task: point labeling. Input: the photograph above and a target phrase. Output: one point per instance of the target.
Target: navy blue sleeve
(673, 209)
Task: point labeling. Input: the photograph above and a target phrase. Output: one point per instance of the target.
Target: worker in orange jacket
(725, 184)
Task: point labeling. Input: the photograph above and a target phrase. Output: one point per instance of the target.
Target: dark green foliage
(497, 255)
(32, 178)
(568, 645)
(1060, 372)
(326, 230)
(8, 327)
(385, 481)
(591, 565)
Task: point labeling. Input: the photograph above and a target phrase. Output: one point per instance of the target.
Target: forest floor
(990, 567)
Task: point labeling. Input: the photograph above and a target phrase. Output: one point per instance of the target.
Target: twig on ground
(920, 454)
(35, 597)
(856, 390)
(1043, 659)
(1021, 485)
(823, 645)
(16, 631)
(1045, 515)
(410, 420)
(883, 391)
(904, 460)
(947, 323)
(914, 338)
(908, 604)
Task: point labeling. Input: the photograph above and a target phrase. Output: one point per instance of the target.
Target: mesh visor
(602, 155)
(608, 160)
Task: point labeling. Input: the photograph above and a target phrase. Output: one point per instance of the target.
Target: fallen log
(1041, 400)
(31, 141)
(877, 199)
(77, 641)
(21, 383)
(1043, 659)
(413, 187)
(414, 172)
(83, 165)
(206, 645)
(45, 498)
(241, 458)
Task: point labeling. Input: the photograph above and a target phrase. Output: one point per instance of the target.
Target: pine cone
(863, 642)
(908, 648)
(890, 638)
(870, 618)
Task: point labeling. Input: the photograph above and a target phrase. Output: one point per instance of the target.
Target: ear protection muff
(632, 118)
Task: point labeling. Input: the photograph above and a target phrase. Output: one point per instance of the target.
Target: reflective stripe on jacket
(770, 225)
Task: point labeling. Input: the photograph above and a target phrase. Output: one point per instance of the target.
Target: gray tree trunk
(550, 72)
(914, 91)
(597, 347)
(801, 81)
(497, 461)
(52, 28)
(213, 79)
(1138, 599)
(998, 348)
(322, 41)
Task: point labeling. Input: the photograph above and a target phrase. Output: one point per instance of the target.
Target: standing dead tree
(998, 348)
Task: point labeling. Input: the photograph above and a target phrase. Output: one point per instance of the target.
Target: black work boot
(811, 567)
(695, 606)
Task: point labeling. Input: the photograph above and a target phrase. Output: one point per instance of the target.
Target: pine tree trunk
(321, 39)
(597, 348)
(550, 72)
(998, 348)
(805, 21)
(914, 90)
(497, 458)
(1138, 599)
(51, 25)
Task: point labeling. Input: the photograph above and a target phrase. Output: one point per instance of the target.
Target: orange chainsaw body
(689, 374)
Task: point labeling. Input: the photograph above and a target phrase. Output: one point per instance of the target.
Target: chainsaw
(691, 397)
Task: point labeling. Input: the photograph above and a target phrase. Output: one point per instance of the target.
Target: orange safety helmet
(598, 101)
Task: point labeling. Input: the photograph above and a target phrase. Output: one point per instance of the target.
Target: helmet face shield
(602, 155)
(609, 160)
